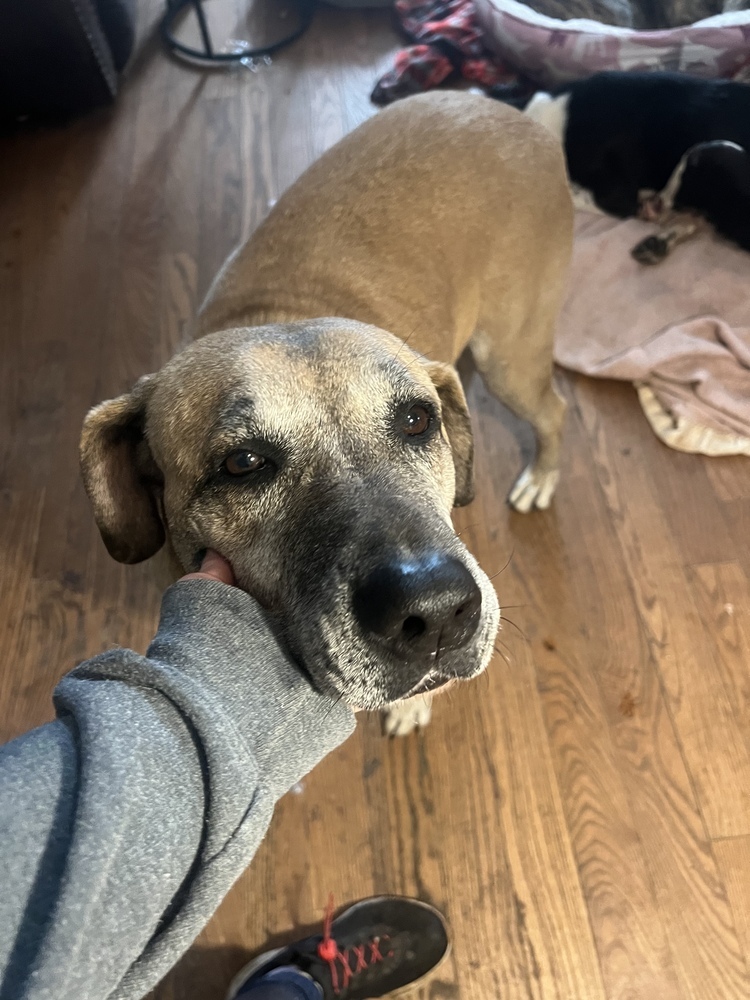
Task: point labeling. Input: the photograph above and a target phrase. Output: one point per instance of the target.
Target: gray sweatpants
(125, 822)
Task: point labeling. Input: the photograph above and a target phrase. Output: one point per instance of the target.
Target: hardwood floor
(582, 812)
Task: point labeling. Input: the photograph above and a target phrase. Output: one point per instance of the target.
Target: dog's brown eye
(417, 420)
(243, 462)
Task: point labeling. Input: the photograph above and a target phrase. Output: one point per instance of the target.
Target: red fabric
(449, 42)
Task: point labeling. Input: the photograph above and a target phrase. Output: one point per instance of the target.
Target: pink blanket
(681, 328)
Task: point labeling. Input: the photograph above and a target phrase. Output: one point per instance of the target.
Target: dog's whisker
(453, 692)
(516, 627)
(405, 343)
(336, 701)
(507, 564)
(504, 645)
(501, 653)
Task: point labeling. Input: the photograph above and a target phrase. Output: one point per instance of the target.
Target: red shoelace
(329, 951)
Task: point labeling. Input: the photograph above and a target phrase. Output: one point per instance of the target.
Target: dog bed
(493, 43)
(680, 331)
(551, 52)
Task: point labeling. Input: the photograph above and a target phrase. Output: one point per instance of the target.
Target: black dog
(711, 182)
(626, 134)
(716, 183)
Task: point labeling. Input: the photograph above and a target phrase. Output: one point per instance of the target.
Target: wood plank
(682, 488)
(19, 530)
(737, 513)
(658, 732)
(730, 478)
(596, 776)
(722, 595)
(712, 735)
(733, 855)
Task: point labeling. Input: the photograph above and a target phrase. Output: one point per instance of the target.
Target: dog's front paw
(404, 717)
(533, 489)
(652, 250)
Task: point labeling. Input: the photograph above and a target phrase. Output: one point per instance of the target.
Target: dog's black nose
(420, 605)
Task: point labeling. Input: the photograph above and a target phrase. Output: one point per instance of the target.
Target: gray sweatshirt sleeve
(125, 821)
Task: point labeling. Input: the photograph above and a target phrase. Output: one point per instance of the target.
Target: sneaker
(371, 949)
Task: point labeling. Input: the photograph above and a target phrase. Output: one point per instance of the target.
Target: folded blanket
(679, 330)
(450, 44)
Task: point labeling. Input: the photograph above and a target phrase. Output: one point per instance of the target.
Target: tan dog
(322, 456)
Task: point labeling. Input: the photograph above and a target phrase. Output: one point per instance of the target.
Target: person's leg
(285, 983)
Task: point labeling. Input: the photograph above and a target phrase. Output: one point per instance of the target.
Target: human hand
(213, 567)
(216, 567)
(242, 681)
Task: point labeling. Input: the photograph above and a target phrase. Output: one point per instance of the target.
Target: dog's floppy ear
(121, 476)
(457, 423)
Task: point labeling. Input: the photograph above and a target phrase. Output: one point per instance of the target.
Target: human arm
(125, 821)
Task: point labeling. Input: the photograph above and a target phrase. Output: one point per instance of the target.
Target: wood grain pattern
(733, 856)
(685, 649)
(582, 812)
